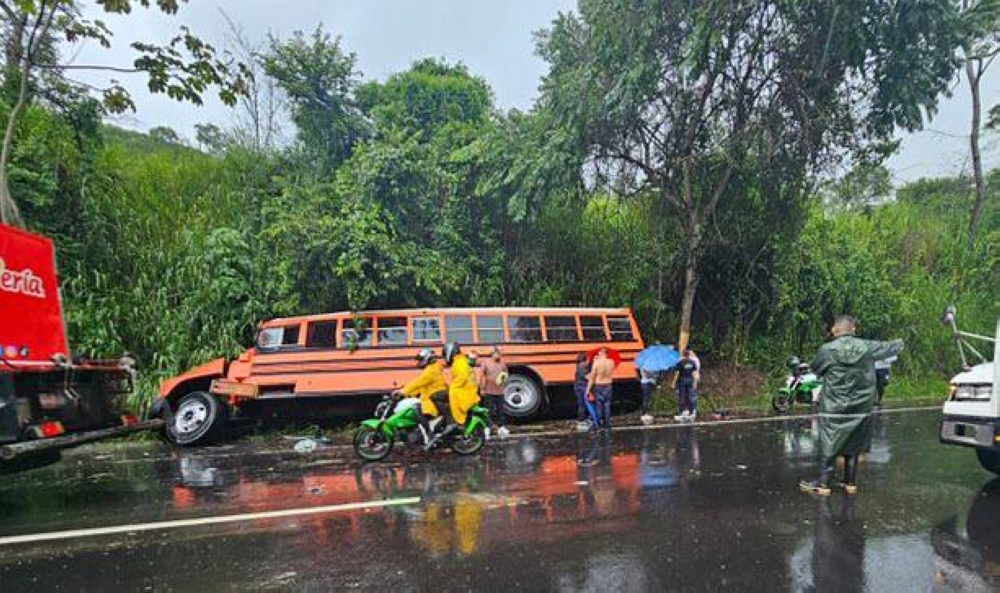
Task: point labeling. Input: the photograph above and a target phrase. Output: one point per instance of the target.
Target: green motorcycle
(802, 386)
(376, 437)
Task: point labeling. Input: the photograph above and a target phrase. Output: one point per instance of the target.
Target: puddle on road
(681, 508)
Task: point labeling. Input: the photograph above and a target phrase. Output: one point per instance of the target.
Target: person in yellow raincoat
(463, 391)
(426, 385)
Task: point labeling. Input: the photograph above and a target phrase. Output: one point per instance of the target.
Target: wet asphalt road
(694, 508)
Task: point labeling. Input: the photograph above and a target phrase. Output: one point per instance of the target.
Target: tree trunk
(691, 278)
(974, 75)
(9, 212)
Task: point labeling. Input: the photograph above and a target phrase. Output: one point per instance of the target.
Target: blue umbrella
(658, 358)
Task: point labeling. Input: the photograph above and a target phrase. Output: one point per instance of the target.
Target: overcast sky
(493, 38)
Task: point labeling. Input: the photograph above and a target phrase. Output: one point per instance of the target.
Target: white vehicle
(972, 412)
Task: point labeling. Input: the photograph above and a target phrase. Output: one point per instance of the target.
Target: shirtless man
(599, 384)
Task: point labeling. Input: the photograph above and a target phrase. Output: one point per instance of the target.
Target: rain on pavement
(661, 509)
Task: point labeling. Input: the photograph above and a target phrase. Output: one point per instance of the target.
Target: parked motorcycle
(802, 386)
(375, 438)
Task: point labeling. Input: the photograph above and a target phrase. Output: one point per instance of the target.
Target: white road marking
(198, 521)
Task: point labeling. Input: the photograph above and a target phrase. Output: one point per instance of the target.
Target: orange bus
(364, 355)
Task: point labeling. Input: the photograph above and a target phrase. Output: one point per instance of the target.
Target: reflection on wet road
(681, 508)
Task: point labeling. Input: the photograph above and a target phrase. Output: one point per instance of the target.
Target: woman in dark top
(580, 388)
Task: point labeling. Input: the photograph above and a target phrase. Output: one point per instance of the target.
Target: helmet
(449, 351)
(794, 362)
(425, 357)
(473, 359)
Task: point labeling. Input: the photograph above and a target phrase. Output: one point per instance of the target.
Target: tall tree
(210, 138)
(679, 99)
(319, 78)
(258, 117)
(427, 98)
(34, 31)
(981, 20)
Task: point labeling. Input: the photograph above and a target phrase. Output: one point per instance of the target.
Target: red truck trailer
(49, 400)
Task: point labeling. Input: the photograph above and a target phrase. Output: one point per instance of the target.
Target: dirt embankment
(728, 385)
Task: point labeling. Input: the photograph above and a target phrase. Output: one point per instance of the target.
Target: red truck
(49, 400)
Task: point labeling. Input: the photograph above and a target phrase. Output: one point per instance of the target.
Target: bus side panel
(380, 370)
(336, 371)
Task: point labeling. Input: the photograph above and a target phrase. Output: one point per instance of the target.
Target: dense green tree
(428, 97)
(319, 79)
(166, 135)
(421, 193)
(183, 69)
(864, 185)
(210, 138)
(980, 46)
(675, 98)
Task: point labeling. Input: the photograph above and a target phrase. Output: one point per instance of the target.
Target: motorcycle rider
(463, 393)
(429, 383)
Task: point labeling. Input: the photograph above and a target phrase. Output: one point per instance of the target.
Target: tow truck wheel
(990, 460)
(198, 419)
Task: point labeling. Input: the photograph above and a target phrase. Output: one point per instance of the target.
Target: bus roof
(450, 310)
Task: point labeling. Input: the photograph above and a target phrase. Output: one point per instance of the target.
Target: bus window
(621, 329)
(291, 337)
(459, 328)
(321, 334)
(426, 329)
(490, 329)
(524, 328)
(593, 328)
(273, 338)
(561, 329)
(392, 331)
(357, 333)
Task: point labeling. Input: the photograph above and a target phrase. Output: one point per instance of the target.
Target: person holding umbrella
(650, 363)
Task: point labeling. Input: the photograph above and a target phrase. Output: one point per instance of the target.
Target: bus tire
(989, 460)
(199, 419)
(523, 397)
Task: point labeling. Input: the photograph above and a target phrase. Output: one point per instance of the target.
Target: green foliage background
(439, 199)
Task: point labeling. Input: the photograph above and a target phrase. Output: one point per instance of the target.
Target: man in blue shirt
(688, 374)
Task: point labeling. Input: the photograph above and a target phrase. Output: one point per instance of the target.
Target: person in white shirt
(882, 378)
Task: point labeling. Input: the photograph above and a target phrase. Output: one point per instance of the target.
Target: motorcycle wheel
(371, 444)
(469, 444)
(781, 402)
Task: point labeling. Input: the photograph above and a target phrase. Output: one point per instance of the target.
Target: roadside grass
(902, 391)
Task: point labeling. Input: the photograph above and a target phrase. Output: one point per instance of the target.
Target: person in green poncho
(846, 366)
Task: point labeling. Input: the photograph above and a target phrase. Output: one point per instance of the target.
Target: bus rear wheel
(199, 419)
(523, 397)
(989, 459)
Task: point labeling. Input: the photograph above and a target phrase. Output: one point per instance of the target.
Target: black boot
(851, 474)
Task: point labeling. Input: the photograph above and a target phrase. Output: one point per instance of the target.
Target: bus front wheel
(989, 459)
(523, 397)
(199, 419)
